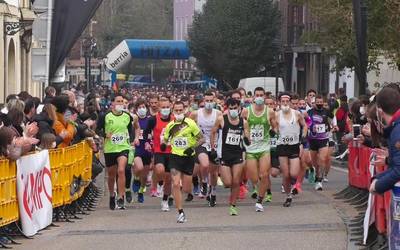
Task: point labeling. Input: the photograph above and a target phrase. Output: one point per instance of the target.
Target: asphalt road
(313, 222)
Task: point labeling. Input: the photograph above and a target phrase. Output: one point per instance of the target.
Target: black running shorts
(111, 159)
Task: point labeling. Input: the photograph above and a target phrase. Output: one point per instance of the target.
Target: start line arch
(146, 49)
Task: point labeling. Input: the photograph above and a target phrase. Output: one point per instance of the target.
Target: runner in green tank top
(119, 139)
(262, 123)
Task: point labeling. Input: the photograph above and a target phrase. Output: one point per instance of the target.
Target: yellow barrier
(67, 165)
(8, 192)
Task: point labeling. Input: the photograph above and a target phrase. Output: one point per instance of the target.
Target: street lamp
(89, 50)
(277, 45)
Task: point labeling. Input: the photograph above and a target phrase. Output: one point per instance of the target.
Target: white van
(268, 83)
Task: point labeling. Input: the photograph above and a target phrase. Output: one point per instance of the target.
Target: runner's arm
(302, 123)
(219, 123)
(273, 120)
(130, 130)
(246, 129)
(150, 126)
(245, 113)
(137, 128)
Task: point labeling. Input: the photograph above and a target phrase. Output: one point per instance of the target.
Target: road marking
(340, 169)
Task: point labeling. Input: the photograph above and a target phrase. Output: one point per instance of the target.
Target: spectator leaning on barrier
(63, 125)
(388, 119)
(45, 121)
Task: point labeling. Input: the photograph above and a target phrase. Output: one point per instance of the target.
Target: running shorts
(256, 156)
(199, 150)
(146, 159)
(290, 151)
(111, 159)
(275, 159)
(316, 145)
(184, 164)
(161, 158)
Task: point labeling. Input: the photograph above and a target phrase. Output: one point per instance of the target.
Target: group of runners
(189, 146)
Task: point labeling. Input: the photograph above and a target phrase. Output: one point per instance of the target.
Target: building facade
(184, 11)
(16, 18)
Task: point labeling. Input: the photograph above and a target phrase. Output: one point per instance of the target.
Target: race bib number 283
(181, 142)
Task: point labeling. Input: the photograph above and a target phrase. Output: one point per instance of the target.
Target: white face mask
(54, 145)
(179, 117)
(285, 108)
(119, 108)
(142, 112)
(362, 110)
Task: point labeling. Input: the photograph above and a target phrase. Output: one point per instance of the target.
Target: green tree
(336, 34)
(234, 39)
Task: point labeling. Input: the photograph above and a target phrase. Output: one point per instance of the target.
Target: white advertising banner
(34, 192)
(13, 2)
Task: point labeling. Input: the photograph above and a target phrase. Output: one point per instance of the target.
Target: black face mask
(320, 106)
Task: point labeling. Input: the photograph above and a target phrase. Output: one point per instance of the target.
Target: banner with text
(34, 191)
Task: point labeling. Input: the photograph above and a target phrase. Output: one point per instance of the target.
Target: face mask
(67, 117)
(259, 100)
(302, 109)
(195, 107)
(234, 113)
(179, 117)
(362, 110)
(320, 106)
(142, 112)
(285, 108)
(119, 108)
(54, 145)
(209, 105)
(312, 99)
(165, 112)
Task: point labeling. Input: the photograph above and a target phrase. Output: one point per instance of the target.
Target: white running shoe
(283, 190)
(259, 207)
(318, 186)
(164, 206)
(181, 218)
(325, 179)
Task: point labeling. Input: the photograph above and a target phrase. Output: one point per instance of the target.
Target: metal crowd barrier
(73, 190)
(356, 194)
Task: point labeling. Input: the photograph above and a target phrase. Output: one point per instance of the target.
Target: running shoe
(298, 187)
(213, 201)
(259, 207)
(306, 175)
(268, 198)
(121, 203)
(311, 176)
(283, 189)
(203, 191)
(318, 186)
(153, 192)
(196, 190)
(181, 218)
(288, 202)
(254, 193)
(325, 179)
(135, 186)
(112, 202)
(128, 196)
(243, 192)
(170, 201)
(294, 190)
(219, 182)
(164, 206)
(140, 198)
(189, 198)
(233, 211)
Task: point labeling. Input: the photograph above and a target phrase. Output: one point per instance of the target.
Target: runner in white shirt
(288, 148)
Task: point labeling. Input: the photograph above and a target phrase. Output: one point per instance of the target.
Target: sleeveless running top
(158, 134)
(117, 126)
(232, 139)
(319, 128)
(289, 130)
(259, 131)
(206, 124)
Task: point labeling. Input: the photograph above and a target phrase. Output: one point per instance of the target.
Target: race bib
(208, 146)
(257, 133)
(232, 139)
(181, 142)
(141, 135)
(272, 142)
(118, 139)
(287, 139)
(320, 128)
